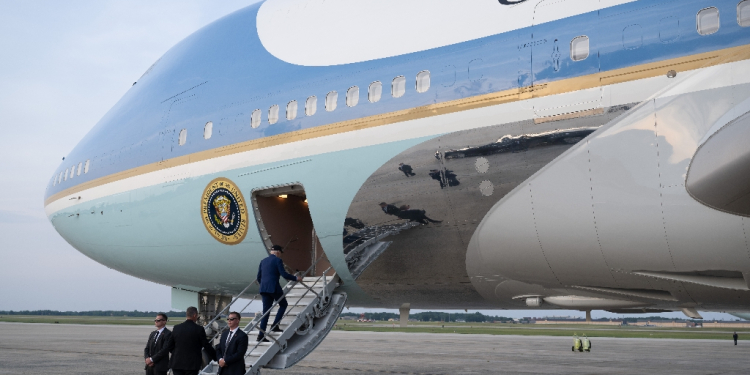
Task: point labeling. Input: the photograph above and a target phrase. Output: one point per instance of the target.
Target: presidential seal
(224, 211)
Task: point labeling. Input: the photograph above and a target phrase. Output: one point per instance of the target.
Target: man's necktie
(153, 344)
(229, 337)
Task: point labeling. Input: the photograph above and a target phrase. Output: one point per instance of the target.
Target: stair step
(316, 278)
(290, 314)
(255, 333)
(312, 284)
(303, 295)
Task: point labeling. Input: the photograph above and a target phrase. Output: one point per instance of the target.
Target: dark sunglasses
(231, 318)
(158, 320)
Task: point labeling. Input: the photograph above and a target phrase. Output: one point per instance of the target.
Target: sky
(63, 65)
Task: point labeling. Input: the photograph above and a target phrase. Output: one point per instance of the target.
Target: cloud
(64, 65)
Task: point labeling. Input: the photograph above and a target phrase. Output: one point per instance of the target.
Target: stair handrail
(255, 322)
(230, 304)
(288, 310)
(224, 328)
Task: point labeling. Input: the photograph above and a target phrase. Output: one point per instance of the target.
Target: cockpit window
(86, 167)
(80, 166)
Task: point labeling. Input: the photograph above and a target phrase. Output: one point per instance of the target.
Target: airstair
(314, 307)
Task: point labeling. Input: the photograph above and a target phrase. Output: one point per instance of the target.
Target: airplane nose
(718, 175)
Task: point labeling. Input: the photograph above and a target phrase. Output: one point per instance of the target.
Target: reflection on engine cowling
(408, 228)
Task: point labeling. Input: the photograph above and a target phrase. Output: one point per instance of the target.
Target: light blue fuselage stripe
(222, 73)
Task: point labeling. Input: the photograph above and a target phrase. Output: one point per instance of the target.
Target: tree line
(433, 316)
(134, 313)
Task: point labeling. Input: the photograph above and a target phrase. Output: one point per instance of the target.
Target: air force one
(480, 154)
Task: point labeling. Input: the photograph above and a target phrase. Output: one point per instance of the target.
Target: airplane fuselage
(547, 156)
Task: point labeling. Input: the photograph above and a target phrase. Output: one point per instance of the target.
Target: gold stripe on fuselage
(649, 70)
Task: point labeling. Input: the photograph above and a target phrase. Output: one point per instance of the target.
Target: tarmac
(108, 349)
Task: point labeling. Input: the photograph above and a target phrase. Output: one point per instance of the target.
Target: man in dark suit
(232, 347)
(269, 271)
(186, 342)
(156, 353)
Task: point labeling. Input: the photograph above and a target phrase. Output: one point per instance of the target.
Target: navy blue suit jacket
(269, 271)
(233, 354)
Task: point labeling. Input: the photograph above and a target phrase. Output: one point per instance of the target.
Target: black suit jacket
(233, 354)
(158, 350)
(269, 271)
(185, 343)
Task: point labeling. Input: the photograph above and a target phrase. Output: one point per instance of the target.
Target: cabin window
(579, 48)
(183, 137)
(423, 81)
(352, 96)
(669, 29)
(398, 87)
(255, 118)
(86, 167)
(374, 92)
(291, 110)
(332, 99)
(208, 130)
(743, 13)
(273, 114)
(632, 37)
(66, 175)
(707, 21)
(311, 105)
(80, 166)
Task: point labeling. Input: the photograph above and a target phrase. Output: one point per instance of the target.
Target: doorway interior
(283, 219)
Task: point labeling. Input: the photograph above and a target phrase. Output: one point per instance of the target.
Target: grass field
(83, 319)
(592, 330)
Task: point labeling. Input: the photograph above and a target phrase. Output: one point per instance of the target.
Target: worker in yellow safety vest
(577, 345)
(586, 343)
